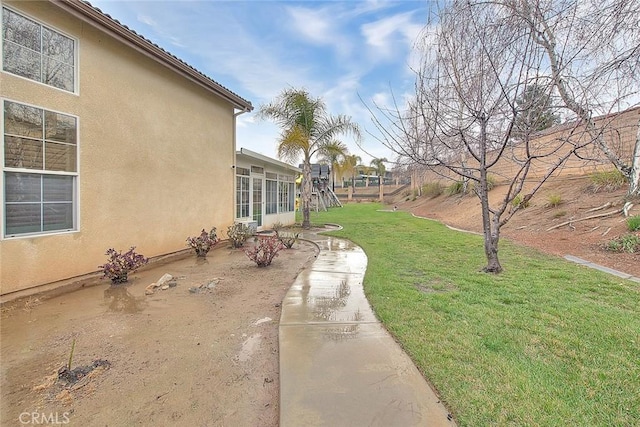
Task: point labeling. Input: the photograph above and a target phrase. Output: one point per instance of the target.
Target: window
(283, 199)
(37, 52)
(292, 197)
(40, 170)
(242, 196)
(272, 197)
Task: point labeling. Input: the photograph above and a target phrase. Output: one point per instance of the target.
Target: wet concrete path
(338, 365)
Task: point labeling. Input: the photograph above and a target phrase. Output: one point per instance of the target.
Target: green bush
(520, 202)
(607, 181)
(491, 182)
(455, 188)
(633, 223)
(627, 243)
(432, 189)
(554, 200)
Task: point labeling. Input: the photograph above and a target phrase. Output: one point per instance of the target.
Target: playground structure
(322, 195)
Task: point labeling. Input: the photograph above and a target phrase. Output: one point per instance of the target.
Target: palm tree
(333, 152)
(307, 129)
(349, 167)
(378, 165)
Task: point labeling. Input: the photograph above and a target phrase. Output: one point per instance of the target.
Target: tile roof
(87, 12)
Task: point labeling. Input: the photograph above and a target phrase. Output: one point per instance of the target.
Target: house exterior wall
(155, 155)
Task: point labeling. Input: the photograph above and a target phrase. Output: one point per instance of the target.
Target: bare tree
(479, 62)
(592, 59)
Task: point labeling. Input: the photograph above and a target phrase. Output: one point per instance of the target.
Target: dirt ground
(530, 226)
(205, 357)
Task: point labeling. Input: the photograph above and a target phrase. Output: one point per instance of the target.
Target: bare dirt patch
(205, 357)
(530, 226)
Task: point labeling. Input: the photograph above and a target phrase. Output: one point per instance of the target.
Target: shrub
(520, 202)
(277, 226)
(432, 189)
(559, 214)
(491, 182)
(626, 243)
(121, 264)
(287, 239)
(607, 181)
(203, 243)
(554, 200)
(455, 188)
(633, 223)
(265, 250)
(238, 234)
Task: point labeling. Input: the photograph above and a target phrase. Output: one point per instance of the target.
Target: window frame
(41, 173)
(271, 196)
(240, 190)
(76, 43)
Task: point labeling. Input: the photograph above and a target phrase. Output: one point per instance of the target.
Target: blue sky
(337, 50)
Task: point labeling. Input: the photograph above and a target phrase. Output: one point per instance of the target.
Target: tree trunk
(634, 176)
(306, 194)
(490, 226)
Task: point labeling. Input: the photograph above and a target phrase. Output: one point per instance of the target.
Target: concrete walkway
(338, 365)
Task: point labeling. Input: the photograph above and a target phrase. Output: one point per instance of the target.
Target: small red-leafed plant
(203, 243)
(264, 250)
(119, 265)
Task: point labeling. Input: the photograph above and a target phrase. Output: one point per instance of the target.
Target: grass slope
(545, 343)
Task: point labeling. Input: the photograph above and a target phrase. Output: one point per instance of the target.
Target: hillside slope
(530, 226)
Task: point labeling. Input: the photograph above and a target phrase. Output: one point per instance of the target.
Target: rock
(150, 288)
(148, 291)
(194, 290)
(164, 279)
(172, 284)
(263, 320)
(212, 284)
(164, 287)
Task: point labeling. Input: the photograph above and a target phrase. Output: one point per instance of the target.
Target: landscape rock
(164, 279)
(164, 287)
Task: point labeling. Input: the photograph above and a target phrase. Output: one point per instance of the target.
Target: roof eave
(105, 23)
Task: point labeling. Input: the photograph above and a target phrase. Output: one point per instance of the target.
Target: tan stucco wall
(155, 156)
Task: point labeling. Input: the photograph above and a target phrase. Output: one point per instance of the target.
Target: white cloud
(384, 35)
(321, 27)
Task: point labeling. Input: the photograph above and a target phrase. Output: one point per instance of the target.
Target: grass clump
(554, 200)
(454, 188)
(633, 223)
(520, 202)
(561, 332)
(626, 243)
(607, 181)
(432, 189)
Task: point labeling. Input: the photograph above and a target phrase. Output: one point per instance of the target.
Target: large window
(287, 193)
(272, 196)
(242, 193)
(40, 170)
(37, 52)
(283, 199)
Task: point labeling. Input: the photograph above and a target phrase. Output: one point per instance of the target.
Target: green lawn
(545, 343)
